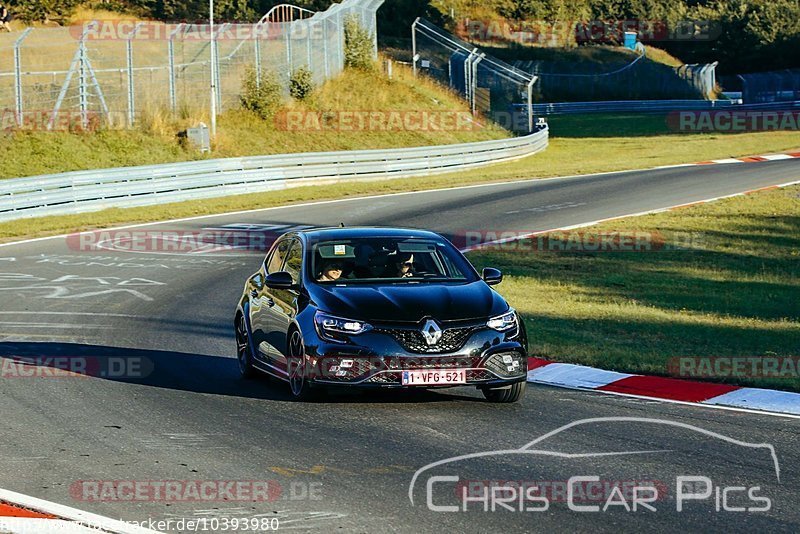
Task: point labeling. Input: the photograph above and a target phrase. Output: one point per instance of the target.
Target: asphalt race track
(347, 464)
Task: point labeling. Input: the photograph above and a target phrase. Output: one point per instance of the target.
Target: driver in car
(405, 266)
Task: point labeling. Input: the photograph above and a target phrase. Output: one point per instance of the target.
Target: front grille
(432, 362)
(385, 378)
(477, 375)
(412, 340)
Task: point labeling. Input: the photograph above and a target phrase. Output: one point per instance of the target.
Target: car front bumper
(490, 359)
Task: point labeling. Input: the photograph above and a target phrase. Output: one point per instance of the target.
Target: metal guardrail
(633, 106)
(84, 191)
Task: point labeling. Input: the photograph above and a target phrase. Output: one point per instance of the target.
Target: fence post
(308, 44)
(414, 56)
(530, 103)
(474, 81)
(83, 97)
(173, 98)
(257, 45)
(18, 75)
(341, 38)
(218, 84)
(468, 74)
(131, 89)
(325, 47)
(289, 48)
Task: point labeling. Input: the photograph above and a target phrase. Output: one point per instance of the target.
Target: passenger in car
(331, 272)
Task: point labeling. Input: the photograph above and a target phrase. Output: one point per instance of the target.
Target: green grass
(609, 125)
(735, 291)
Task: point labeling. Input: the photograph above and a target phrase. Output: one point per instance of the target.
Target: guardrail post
(18, 75)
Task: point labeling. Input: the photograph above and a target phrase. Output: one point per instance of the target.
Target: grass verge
(733, 292)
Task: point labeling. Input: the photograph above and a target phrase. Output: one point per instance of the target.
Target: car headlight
(503, 323)
(334, 328)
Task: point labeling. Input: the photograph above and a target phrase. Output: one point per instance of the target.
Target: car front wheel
(507, 394)
(246, 368)
(299, 384)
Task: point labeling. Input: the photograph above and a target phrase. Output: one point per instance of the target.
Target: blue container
(630, 40)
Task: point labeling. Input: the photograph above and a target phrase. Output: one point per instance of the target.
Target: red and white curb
(743, 159)
(573, 376)
(21, 514)
(752, 159)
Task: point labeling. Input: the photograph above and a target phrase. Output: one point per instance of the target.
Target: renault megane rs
(378, 308)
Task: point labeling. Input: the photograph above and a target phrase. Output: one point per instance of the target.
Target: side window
(294, 261)
(278, 255)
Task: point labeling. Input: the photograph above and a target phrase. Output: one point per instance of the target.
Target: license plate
(434, 378)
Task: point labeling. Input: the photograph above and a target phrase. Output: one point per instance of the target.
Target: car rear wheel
(296, 361)
(508, 394)
(246, 368)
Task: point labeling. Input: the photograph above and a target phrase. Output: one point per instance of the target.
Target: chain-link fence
(491, 86)
(639, 79)
(113, 70)
(766, 87)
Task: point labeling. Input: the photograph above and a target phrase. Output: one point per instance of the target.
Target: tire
(243, 354)
(299, 385)
(511, 394)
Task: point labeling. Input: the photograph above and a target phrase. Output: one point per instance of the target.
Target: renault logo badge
(431, 332)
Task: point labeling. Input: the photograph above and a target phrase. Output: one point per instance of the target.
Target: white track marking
(71, 514)
(90, 314)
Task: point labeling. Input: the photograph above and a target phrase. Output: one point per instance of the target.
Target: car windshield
(388, 260)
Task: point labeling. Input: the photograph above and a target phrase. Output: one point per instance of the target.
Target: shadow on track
(182, 371)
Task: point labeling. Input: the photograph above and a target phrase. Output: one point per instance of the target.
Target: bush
(358, 45)
(263, 98)
(301, 84)
(30, 11)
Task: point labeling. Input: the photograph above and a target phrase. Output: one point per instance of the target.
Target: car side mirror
(492, 276)
(279, 280)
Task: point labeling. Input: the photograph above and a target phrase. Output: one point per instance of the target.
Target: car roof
(317, 234)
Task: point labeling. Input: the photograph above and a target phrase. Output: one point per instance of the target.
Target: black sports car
(382, 308)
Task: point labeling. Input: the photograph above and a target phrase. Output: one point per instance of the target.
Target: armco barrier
(649, 106)
(621, 106)
(84, 191)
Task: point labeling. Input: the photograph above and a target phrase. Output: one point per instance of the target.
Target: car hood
(410, 302)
